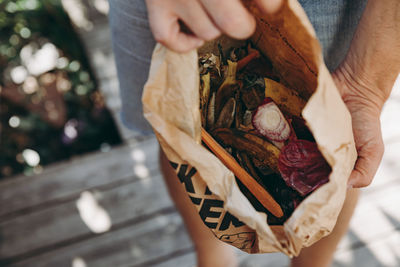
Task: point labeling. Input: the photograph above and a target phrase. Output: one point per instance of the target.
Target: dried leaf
(227, 114)
(264, 169)
(211, 112)
(247, 117)
(204, 97)
(251, 144)
(251, 98)
(287, 99)
(239, 111)
(227, 88)
(245, 161)
(303, 167)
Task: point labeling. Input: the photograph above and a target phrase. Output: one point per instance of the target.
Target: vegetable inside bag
(171, 105)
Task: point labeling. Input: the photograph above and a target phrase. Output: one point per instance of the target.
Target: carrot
(256, 189)
(246, 60)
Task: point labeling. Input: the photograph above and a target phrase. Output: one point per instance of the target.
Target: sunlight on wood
(136, 251)
(141, 171)
(92, 214)
(138, 155)
(78, 262)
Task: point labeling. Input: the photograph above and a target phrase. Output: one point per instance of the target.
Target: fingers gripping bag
(271, 173)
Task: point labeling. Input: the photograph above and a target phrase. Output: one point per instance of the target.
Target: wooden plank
(255, 261)
(126, 133)
(62, 223)
(382, 252)
(386, 199)
(97, 43)
(262, 260)
(245, 260)
(110, 90)
(132, 246)
(389, 171)
(374, 204)
(377, 215)
(378, 203)
(185, 260)
(82, 173)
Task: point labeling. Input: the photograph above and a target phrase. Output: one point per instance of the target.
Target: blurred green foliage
(27, 125)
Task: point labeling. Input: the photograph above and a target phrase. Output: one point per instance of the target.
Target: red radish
(270, 122)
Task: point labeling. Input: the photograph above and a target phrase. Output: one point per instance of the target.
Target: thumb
(369, 158)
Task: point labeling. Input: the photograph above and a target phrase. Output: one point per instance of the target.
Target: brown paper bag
(171, 105)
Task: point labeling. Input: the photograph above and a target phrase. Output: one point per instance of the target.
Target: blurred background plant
(50, 108)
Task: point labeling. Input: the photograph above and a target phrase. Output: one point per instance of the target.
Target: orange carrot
(255, 188)
(246, 60)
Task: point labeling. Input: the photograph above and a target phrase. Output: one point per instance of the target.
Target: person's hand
(365, 104)
(365, 80)
(206, 19)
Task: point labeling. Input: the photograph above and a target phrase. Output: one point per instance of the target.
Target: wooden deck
(112, 208)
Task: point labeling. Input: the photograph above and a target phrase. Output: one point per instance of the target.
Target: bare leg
(321, 253)
(211, 252)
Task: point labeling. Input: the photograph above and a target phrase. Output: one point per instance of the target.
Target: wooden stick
(255, 188)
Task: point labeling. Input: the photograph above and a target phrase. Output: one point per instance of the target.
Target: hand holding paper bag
(171, 104)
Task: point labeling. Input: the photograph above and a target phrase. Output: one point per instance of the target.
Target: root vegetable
(303, 167)
(251, 98)
(270, 122)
